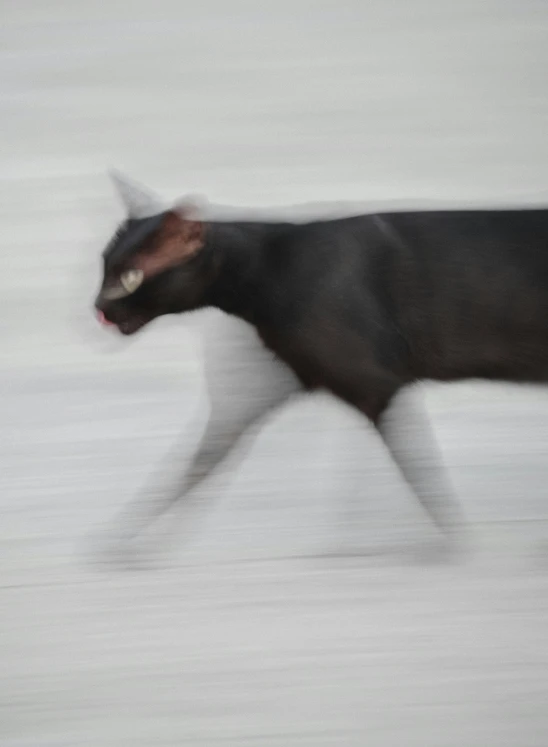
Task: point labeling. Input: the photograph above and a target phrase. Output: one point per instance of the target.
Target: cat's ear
(180, 236)
(139, 201)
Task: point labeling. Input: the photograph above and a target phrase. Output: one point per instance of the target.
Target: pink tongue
(103, 320)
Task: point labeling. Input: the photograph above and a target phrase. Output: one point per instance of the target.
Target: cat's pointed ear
(180, 237)
(193, 206)
(139, 201)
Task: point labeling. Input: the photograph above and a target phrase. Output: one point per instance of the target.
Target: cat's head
(153, 264)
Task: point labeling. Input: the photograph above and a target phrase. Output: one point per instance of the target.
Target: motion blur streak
(283, 618)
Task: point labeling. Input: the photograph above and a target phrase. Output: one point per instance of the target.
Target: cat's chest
(287, 346)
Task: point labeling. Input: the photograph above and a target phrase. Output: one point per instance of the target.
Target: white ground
(253, 634)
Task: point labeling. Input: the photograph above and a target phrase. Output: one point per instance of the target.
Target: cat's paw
(447, 549)
(115, 552)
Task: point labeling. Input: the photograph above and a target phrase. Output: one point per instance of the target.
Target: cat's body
(360, 306)
(393, 298)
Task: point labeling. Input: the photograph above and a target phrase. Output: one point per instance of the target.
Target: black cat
(361, 306)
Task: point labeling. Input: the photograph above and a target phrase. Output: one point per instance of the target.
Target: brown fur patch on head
(180, 237)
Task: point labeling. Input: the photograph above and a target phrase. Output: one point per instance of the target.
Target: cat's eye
(131, 280)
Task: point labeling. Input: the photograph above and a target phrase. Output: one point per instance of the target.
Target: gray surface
(254, 634)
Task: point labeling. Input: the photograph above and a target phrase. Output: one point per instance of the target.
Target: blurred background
(254, 632)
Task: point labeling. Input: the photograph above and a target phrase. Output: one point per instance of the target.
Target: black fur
(364, 305)
(360, 306)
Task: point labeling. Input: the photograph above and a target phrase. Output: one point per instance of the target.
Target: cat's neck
(237, 252)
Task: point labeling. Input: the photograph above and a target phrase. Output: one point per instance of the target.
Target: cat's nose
(103, 320)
